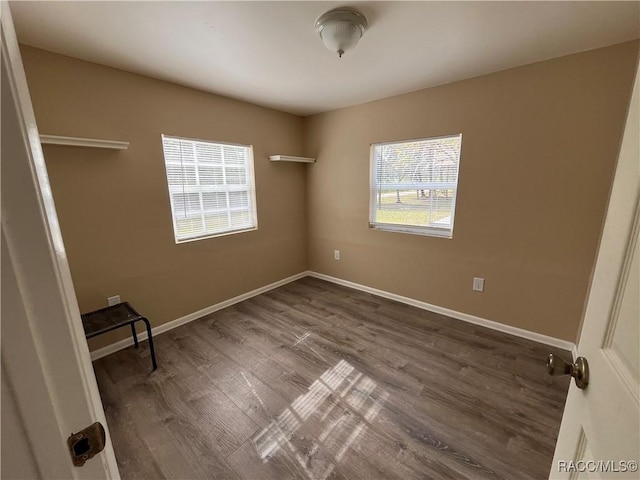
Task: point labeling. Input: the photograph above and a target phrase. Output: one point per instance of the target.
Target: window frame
(428, 231)
(250, 171)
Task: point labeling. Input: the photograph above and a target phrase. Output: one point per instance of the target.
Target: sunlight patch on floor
(342, 387)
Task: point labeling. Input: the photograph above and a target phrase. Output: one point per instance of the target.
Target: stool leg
(135, 335)
(153, 353)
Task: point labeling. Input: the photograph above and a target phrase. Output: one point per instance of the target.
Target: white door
(48, 386)
(599, 436)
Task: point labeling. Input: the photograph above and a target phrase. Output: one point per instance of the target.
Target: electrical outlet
(336, 254)
(113, 300)
(478, 284)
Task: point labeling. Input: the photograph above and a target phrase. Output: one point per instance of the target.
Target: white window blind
(211, 187)
(414, 185)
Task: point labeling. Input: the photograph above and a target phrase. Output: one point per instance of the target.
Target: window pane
(192, 203)
(178, 203)
(211, 187)
(241, 219)
(174, 174)
(189, 174)
(234, 155)
(414, 185)
(214, 200)
(210, 175)
(236, 175)
(187, 155)
(217, 221)
(172, 150)
(189, 227)
(238, 200)
(415, 208)
(208, 153)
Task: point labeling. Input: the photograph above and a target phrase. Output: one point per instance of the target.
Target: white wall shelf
(291, 158)
(82, 142)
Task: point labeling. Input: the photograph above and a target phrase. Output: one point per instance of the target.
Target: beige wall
(114, 208)
(539, 148)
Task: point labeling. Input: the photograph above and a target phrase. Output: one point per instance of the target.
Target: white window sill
(424, 231)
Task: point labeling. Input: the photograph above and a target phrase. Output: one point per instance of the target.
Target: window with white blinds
(211, 187)
(414, 185)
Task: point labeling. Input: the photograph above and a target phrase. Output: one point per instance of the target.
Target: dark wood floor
(317, 381)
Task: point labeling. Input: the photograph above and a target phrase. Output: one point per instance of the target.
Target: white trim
(202, 140)
(501, 327)
(574, 352)
(82, 142)
(114, 347)
(44, 356)
(416, 140)
(291, 158)
(414, 230)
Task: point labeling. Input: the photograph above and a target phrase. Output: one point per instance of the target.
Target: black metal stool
(116, 316)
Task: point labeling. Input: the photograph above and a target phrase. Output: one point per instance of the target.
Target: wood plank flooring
(317, 381)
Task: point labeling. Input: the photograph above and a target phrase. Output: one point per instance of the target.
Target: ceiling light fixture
(341, 28)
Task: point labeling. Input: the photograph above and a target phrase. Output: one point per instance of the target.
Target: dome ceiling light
(341, 28)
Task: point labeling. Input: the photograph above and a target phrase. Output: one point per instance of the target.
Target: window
(414, 184)
(211, 187)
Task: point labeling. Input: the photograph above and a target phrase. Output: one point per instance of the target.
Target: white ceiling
(268, 53)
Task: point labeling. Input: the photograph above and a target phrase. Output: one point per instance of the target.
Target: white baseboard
(501, 327)
(114, 347)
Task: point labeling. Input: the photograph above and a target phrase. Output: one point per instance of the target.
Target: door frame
(45, 357)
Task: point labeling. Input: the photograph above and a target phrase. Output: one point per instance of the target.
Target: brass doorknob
(579, 370)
